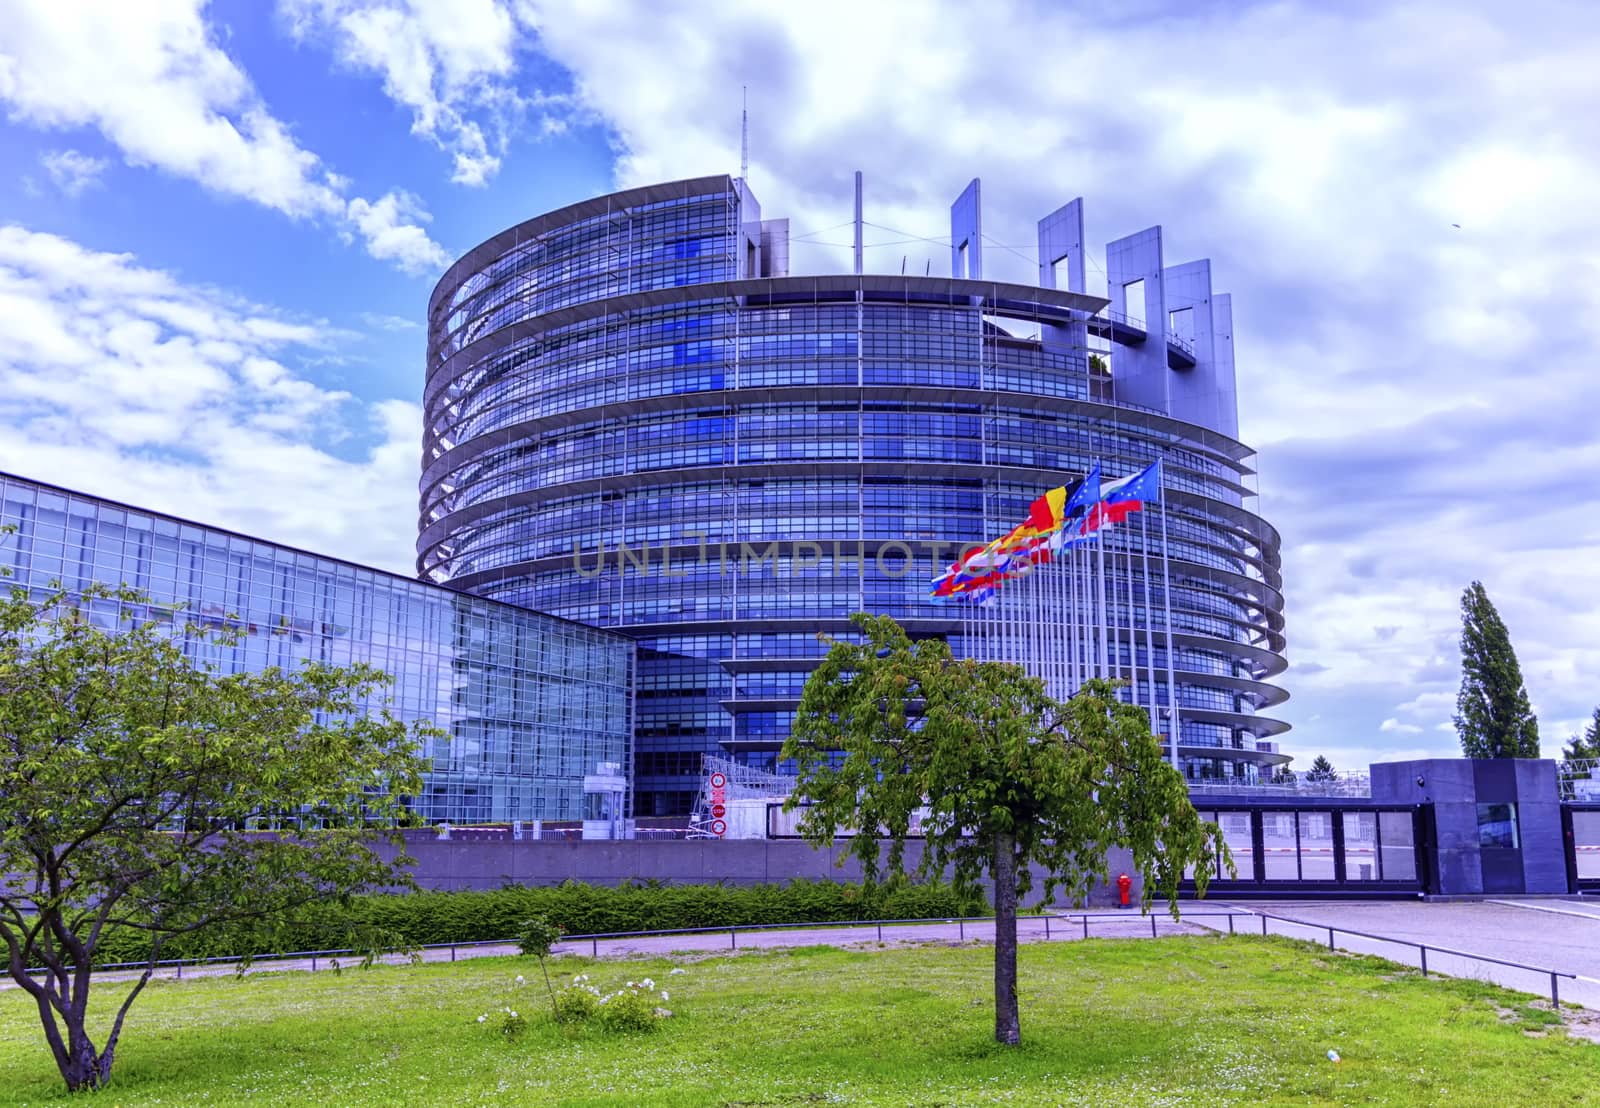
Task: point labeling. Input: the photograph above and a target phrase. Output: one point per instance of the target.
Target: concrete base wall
(489, 864)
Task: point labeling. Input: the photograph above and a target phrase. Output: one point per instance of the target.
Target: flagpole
(1149, 641)
(1100, 590)
(1166, 603)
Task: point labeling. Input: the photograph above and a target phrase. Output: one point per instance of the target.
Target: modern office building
(530, 703)
(641, 371)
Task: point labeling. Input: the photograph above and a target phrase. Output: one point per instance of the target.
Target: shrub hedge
(422, 918)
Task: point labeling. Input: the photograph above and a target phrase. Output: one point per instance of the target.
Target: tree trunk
(83, 1069)
(1007, 1023)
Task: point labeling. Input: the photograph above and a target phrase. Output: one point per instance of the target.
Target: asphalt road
(1559, 935)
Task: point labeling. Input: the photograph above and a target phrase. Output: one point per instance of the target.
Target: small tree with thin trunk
(1007, 776)
(1493, 714)
(130, 774)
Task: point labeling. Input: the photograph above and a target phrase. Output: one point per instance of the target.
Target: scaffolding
(1579, 779)
(743, 787)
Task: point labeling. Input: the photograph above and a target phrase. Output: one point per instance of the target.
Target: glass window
(1280, 851)
(1361, 846)
(1497, 826)
(1397, 846)
(1586, 843)
(1236, 833)
(1316, 846)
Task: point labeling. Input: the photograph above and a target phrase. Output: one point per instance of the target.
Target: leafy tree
(538, 936)
(1008, 776)
(1321, 770)
(1586, 745)
(1493, 715)
(1283, 775)
(129, 772)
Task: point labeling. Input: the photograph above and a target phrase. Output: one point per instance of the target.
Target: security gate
(1334, 846)
(1580, 827)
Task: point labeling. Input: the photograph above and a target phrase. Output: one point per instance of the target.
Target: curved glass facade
(636, 421)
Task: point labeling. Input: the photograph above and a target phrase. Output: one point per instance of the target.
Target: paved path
(1126, 925)
(1553, 934)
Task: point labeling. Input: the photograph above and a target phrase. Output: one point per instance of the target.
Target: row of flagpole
(1065, 620)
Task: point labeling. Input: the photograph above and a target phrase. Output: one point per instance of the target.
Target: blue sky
(219, 224)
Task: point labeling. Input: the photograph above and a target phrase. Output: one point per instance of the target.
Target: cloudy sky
(219, 224)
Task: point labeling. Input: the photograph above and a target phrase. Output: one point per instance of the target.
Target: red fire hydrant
(1124, 886)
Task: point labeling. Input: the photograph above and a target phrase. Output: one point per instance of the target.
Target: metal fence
(1052, 924)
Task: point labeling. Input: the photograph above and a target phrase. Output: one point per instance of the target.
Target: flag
(1141, 486)
(1122, 497)
(1085, 494)
(1055, 509)
(1105, 514)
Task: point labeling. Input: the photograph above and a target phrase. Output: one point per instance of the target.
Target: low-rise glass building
(529, 703)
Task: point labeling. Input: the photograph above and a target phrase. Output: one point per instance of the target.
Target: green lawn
(1201, 1020)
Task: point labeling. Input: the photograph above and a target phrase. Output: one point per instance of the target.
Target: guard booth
(1319, 846)
(1497, 823)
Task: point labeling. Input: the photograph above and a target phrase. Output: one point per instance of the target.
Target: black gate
(1320, 846)
(1580, 829)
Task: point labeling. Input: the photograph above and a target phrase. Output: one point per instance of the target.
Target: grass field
(1197, 1020)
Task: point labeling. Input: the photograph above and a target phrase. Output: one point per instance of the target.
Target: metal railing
(731, 930)
(1345, 783)
(1078, 921)
(1422, 950)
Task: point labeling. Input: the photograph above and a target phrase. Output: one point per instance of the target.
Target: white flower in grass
(519, 979)
(679, 969)
(664, 997)
(647, 983)
(483, 1017)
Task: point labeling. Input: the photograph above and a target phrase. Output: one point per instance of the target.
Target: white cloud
(446, 61)
(72, 171)
(153, 80)
(391, 229)
(125, 382)
(1395, 726)
(382, 322)
(1417, 390)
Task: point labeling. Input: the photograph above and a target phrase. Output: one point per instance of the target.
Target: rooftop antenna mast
(858, 223)
(744, 137)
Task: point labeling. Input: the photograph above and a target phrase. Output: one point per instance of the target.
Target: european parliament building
(638, 419)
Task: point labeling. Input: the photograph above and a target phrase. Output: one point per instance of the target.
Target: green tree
(1586, 745)
(1321, 770)
(1493, 715)
(1008, 777)
(129, 772)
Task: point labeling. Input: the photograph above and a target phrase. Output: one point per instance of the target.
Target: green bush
(576, 1003)
(498, 915)
(629, 1009)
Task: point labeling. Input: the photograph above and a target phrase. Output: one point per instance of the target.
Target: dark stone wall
(1544, 847)
(488, 863)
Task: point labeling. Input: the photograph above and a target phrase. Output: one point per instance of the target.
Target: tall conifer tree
(1493, 715)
